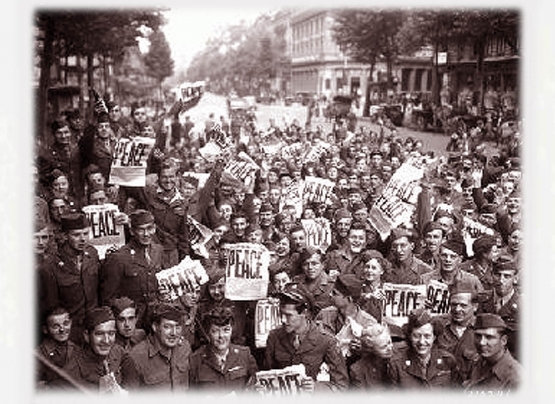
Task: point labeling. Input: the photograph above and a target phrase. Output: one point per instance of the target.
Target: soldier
(485, 254)
(496, 370)
(125, 312)
(221, 365)
(405, 267)
(56, 348)
(299, 340)
(504, 300)
(422, 364)
(314, 280)
(131, 271)
(71, 280)
(161, 361)
(449, 271)
(97, 364)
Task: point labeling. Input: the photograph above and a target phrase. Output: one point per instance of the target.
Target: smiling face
(58, 327)
(449, 260)
(167, 332)
(357, 240)
(292, 321)
(60, 186)
(372, 270)
(422, 339)
(461, 308)
(312, 266)
(102, 338)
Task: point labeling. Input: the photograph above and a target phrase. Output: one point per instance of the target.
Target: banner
(438, 294)
(201, 177)
(397, 202)
(318, 233)
(216, 146)
(247, 273)
(104, 233)
(471, 230)
(184, 277)
(243, 169)
(400, 300)
(199, 235)
(129, 161)
(315, 152)
(282, 382)
(289, 152)
(317, 189)
(293, 195)
(266, 317)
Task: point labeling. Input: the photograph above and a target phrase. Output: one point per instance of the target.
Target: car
(304, 97)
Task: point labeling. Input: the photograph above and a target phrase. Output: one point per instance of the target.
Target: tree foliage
(243, 57)
(369, 36)
(158, 60)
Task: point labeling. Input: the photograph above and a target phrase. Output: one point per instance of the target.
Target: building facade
(317, 64)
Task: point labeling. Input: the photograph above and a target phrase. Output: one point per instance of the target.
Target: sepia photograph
(280, 202)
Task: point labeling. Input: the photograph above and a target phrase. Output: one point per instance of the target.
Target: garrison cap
(168, 311)
(489, 320)
(98, 315)
(74, 221)
(483, 244)
(349, 285)
(140, 217)
(454, 245)
(122, 303)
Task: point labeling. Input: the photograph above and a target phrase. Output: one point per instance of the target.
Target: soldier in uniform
(162, 360)
(449, 272)
(457, 327)
(71, 280)
(485, 254)
(314, 280)
(504, 300)
(125, 312)
(496, 369)
(221, 365)
(373, 370)
(131, 271)
(97, 364)
(405, 267)
(422, 364)
(299, 340)
(56, 348)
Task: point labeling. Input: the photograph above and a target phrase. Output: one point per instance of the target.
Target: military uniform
(233, 375)
(485, 275)
(128, 343)
(148, 365)
(57, 354)
(129, 272)
(502, 375)
(371, 373)
(87, 368)
(171, 227)
(316, 347)
(344, 262)
(72, 282)
(410, 275)
(462, 348)
(320, 290)
(461, 277)
(407, 373)
(509, 311)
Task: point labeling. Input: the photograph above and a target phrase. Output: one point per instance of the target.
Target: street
(216, 103)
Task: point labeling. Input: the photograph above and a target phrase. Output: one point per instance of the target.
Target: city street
(215, 103)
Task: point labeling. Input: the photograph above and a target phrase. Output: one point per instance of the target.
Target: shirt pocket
(237, 372)
(131, 271)
(181, 376)
(157, 375)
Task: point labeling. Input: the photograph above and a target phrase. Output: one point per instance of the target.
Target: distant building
(317, 64)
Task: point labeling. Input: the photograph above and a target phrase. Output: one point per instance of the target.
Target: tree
(83, 33)
(445, 28)
(158, 60)
(369, 36)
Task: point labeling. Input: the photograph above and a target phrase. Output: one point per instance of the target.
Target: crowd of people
(104, 325)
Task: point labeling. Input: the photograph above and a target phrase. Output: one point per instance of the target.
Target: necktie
(296, 341)
(147, 256)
